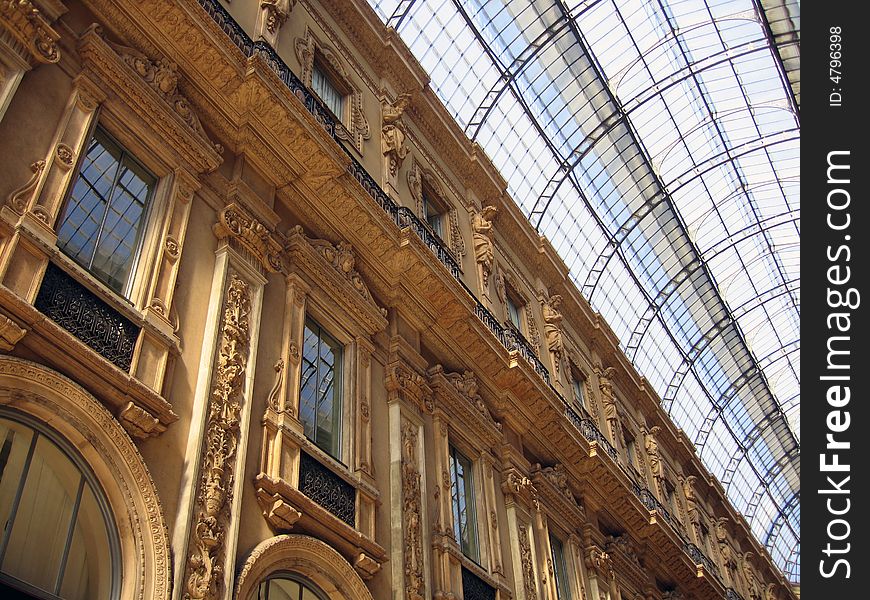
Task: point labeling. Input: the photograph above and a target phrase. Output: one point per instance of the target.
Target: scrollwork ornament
(20, 198)
(527, 564)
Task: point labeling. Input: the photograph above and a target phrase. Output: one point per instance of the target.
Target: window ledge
(287, 508)
(142, 411)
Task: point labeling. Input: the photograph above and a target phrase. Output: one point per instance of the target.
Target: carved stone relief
(411, 514)
(553, 326)
(162, 76)
(652, 452)
(308, 50)
(251, 236)
(19, 199)
(218, 470)
(527, 564)
(26, 23)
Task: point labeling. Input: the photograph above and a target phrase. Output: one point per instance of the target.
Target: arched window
(58, 540)
(286, 586)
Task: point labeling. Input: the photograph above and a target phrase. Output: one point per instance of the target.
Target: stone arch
(79, 418)
(304, 555)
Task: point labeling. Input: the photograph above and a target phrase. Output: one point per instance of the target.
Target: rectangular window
(560, 570)
(464, 516)
(630, 451)
(320, 393)
(577, 389)
(101, 225)
(433, 215)
(324, 87)
(513, 308)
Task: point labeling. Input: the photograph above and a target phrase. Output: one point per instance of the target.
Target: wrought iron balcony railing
(327, 489)
(81, 312)
(475, 588)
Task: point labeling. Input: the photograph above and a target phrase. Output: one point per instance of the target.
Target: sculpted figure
(481, 224)
(393, 133)
(553, 325)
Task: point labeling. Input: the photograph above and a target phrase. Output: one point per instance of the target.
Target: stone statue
(652, 452)
(553, 326)
(481, 224)
(393, 133)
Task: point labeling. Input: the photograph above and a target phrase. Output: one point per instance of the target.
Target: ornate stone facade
(289, 312)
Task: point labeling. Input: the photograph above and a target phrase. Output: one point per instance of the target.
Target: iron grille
(475, 588)
(78, 310)
(327, 489)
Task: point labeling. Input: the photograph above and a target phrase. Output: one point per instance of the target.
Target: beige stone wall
(256, 223)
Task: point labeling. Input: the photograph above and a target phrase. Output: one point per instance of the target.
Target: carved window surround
(556, 497)
(310, 49)
(451, 395)
(627, 556)
(141, 410)
(462, 420)
(507, 287)
(419, 178)
(139, 103)
(322, 283)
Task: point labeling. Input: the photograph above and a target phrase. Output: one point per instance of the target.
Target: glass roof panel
(656, 145)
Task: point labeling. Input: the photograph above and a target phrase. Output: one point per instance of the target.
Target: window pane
(464, 517)
(514, 313)
(577, 386)
(85, 575)
(560, 572)
(102, 219)
(283, 589)
(16, 440)
(80, 224)
(320, 393)
(324, 88)
(41, 526)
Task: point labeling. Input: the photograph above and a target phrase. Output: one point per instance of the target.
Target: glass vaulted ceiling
(656, 144)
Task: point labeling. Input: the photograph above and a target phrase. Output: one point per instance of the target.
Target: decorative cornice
(342, 268)
(402, 382)
(27, 25)
(555, 493)
(457, 394)
(138, 80)
(250, 236)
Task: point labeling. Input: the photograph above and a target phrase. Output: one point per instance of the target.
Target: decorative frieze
(204, 569)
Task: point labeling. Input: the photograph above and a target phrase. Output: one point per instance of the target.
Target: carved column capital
(250, 237)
